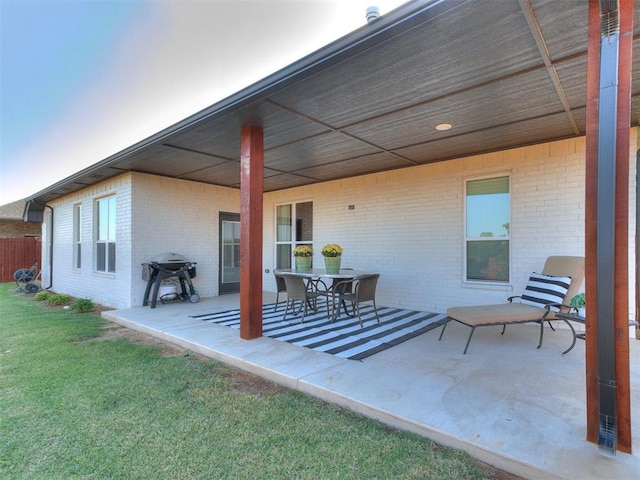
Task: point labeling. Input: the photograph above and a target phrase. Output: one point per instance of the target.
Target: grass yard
(82, 402)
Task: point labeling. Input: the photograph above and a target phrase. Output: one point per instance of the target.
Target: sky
(81, 80)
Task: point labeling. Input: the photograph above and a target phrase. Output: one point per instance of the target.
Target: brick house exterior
(407, 224)
(11, 224)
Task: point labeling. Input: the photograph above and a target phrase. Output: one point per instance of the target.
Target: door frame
(228, 287)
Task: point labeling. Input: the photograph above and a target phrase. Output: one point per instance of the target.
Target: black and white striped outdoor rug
(344, 337)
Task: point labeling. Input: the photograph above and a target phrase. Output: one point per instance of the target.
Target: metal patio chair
(297, 291)
(361, 289)
(280, 288)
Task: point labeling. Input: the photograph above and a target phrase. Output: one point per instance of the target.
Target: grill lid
(170, 258)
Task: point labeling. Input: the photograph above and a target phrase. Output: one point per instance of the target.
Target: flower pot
(303, 264)
(332, 264)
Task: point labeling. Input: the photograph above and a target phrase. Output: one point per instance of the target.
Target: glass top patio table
(316, 274)
(343, 274)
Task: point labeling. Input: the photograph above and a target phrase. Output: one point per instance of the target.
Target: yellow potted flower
(303, 255)
(332, 254)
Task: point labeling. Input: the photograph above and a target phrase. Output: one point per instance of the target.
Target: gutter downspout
(637, 250)
(606, 226)
(50, 238)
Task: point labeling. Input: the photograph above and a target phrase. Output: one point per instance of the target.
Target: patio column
(251, 189)
(607, 229)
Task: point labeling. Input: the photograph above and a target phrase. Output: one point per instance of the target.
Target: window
(77, 237)
(294, 226)
(487, 229)
(106, 235)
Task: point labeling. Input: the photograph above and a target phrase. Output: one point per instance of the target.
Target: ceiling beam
(534, 27)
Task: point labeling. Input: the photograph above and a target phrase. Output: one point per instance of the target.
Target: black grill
(163, 267)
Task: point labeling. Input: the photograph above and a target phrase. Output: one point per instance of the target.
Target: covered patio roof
(502, 77)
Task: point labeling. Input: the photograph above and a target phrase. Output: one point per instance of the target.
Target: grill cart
(161, 273)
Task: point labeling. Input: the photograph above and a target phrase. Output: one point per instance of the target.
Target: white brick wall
(104, 288)
(171, 215)
(164, 215)
(406, 224)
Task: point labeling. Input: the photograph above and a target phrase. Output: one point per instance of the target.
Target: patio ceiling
(504, 76)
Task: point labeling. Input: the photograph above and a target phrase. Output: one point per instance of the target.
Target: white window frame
(468, 238)
(293, 241)
(77, 236)
(105, 235)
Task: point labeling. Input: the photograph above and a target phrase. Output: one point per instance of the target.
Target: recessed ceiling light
(443, 126)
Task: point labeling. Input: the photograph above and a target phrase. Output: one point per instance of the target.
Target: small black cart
(163, 267)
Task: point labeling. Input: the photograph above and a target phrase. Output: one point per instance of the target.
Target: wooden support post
(621, 209)
(251, 217)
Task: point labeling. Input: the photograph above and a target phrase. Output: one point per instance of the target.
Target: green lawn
(74, 406)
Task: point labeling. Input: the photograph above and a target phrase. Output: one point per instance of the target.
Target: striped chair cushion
(544, 289)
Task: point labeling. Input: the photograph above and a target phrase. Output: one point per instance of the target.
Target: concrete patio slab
(505, 402)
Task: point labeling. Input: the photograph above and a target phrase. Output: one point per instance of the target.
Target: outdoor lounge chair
(545, 295)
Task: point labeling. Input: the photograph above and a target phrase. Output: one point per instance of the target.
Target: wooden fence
(17, 253)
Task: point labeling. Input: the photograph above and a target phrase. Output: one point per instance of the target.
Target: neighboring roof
(504, 76)
(12, 211)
